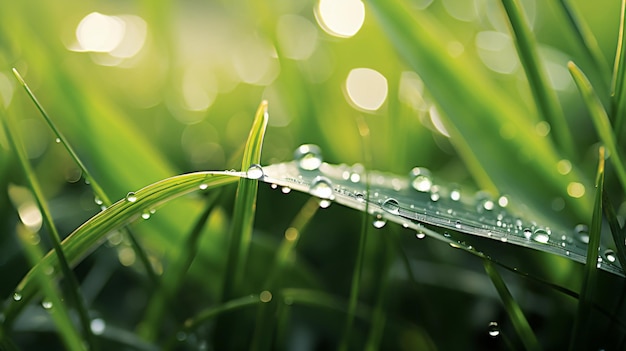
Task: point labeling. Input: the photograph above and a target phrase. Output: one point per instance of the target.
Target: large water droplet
(582, 233)
(360, 197)
(493, 329)
(97, 326)
(541, 235)
(131, 197)
(421, 179)
(255, 172)
(308, 157)
(610, 255)
(322, 188)
(391, 205)
(379, 221)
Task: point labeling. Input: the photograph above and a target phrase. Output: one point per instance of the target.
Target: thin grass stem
(618, 101)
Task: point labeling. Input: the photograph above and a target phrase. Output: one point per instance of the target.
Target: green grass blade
(72, 284)
(545, 97)
(580, 334)
(600, 120)
(93, 232)
(513, 310)
(585, 37)
(245, 204)
(173, 277)
(617, 83)
(97, 189)
(59, 313)
(619, 234)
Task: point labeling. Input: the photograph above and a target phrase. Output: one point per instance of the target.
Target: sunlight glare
(340, 18)
(366, 88)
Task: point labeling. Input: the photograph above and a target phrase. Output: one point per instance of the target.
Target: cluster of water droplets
(418, 201)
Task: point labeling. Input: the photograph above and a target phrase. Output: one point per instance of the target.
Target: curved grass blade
(71, 281)
(93, 232)
(543, 94)
(617, 83)
(448, 209)
(523, 329)
(580, 334)
(245, 204)
(600, 120)
(53, 300)
(97, 189)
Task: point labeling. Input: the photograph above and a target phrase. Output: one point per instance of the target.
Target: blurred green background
(146, 90)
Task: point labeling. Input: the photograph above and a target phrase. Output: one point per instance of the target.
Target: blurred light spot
(340, 18)
(36, 137)
(366, 88)
(542, 128)
(455, 48)
(126, 256)
(6, 90)
(564, 167)
(575, 189)
(297, 37)
(97, 326)
(497, 52)
(255, 62)
(291, 234)
(421, 4)
(198, 90)
(27, 209)
(463, 10)
(435, 118)
(411, 91)
(120, 36)
(503, 201)
(265, 296)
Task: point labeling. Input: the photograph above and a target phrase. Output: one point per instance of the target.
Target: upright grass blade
(618, 100)
(173, 277)
(585, 37)
(513, 310)
(93, 232)
(379, 316)
(245, 204)
(70, 279)
(99, 193)
(600, 120)
(52, 297)
(543, 94)
(580, 334)
(619, 234)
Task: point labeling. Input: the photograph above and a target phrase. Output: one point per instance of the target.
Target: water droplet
(97, 326)
(484, 202)
(457, 224)
(274, 186)
(203, 186)
(322, 188)
(455, 195)
(503, 201)
(145, 215)
(446, 234)
(285, 190)
(610, 255)
(131, 197)
(541, 235)
(493, 329)
(420, 235)
(17, 296)
(391, 205)
(360, 197)
(379, 221)
(57, 140)
(325, 203)
(46, 304)
(255, 172)
(308, 157)
(421, 179)
(97, 200)
(582, 233)
(527, 233)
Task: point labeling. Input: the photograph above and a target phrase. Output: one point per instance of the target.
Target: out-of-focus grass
(183, 103)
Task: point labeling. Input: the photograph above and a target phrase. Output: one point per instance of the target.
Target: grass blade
(543, 94)
(97, 189)
(245, 204)
(617, 83)
(513, 310)
(71, 281)
(59, 313)
(600, 120)
(585, 37)
(619, 234)
(580, 334)
(92, 233)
